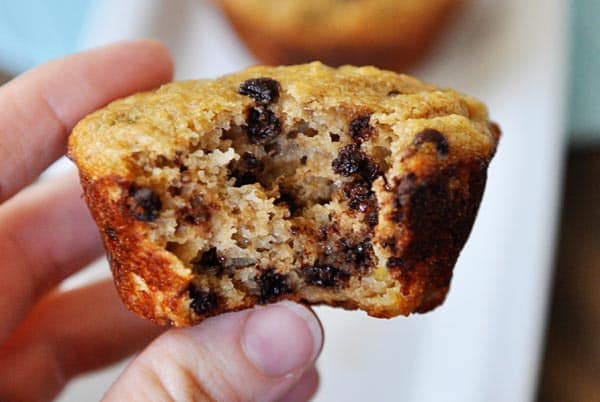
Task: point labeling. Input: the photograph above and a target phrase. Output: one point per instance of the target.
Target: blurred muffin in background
(392, 34)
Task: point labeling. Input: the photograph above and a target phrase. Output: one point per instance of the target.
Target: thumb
(251, 355)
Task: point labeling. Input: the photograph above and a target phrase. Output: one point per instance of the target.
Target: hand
(48, 336)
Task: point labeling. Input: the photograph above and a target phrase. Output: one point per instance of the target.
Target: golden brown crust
(127, 252)
(437, 209)
(388, 237)
(385, 33)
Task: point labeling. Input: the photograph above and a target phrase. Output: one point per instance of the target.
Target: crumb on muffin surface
(352, 187)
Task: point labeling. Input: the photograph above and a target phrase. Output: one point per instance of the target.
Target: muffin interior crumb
(276, 205)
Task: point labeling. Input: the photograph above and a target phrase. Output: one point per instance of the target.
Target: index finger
(39, 108)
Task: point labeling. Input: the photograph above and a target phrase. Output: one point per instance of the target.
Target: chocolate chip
(357, 254)
(362, 199)
(303, 160)
(246, 169)
(370, 170)
(144, 204)
(272, 285)
(348, 161)
(263, 90)
(209, 261)
(359, 195)
(435, 137)
(394, 92)
(262, 125)
(325, 276)
(360, 129)
(351, 160)
(202, 301)
(334, 137)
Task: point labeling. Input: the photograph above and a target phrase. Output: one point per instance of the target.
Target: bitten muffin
(351, 187)
(393, 34)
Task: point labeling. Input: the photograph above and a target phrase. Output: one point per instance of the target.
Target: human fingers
(305, 389)
(46, 234)
(39, 108)
(66, 334)
(251, 355)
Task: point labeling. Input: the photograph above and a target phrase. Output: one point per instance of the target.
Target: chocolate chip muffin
(386, 33)
(351, 187)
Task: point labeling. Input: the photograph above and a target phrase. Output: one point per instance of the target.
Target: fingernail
(281, 338)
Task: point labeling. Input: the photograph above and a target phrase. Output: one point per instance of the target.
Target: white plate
(484, 343)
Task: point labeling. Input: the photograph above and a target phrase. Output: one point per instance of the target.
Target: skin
(49, 335)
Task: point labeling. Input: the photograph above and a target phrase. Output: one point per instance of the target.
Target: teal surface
(584, 105)
(33, 31)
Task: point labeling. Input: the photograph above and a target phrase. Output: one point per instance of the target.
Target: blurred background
(522, 321)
